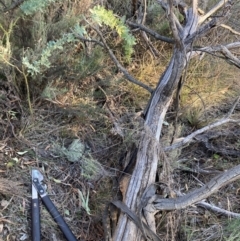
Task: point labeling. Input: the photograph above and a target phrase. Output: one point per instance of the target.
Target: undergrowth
(85, 115)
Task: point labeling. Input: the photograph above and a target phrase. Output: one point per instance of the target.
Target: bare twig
(89, 40)
(121, 68)
(230, 29)
(190, 137)
(151, 32)
(141, 18)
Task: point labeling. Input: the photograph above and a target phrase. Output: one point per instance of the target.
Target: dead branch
(115, 60)
(148, 156)
(218, 210)
(142, 226)
(202, 30)
(223, 50)
(214, 10)
(230, 57)
(230, 29)
(151, 32)
(117, 63)
(219, 47)
(189, 138)
(174, 23)
(157, 203)
(141, 18)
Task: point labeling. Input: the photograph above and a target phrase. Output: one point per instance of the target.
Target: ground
(43, 140)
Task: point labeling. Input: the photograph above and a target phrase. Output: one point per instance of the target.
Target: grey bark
(149, 149)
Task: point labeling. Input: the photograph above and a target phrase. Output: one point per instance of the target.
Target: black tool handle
(58, 218)
(36, 233)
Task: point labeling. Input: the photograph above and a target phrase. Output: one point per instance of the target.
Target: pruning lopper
(39, 189)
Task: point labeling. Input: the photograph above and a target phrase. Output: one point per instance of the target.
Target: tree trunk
(139, 190)
(148, 155)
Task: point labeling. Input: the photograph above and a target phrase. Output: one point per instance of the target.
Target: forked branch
(220, 122)
(156, 203)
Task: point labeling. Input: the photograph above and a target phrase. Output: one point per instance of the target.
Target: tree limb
(230, 57)
(224, 50)
(156, 203)
(141, 225)
(218, 48)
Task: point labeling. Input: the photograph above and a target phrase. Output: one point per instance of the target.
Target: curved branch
(230, 29)
(120, 67)
(190, 137)
(156, 204)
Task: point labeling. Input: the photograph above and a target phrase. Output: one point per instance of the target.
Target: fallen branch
(156, 203)
(189, 138)
(218, 210)
(230, 57)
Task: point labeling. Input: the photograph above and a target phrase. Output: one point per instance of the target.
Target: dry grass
(72, 105)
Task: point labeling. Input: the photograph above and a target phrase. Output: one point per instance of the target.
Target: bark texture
(149, 150)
